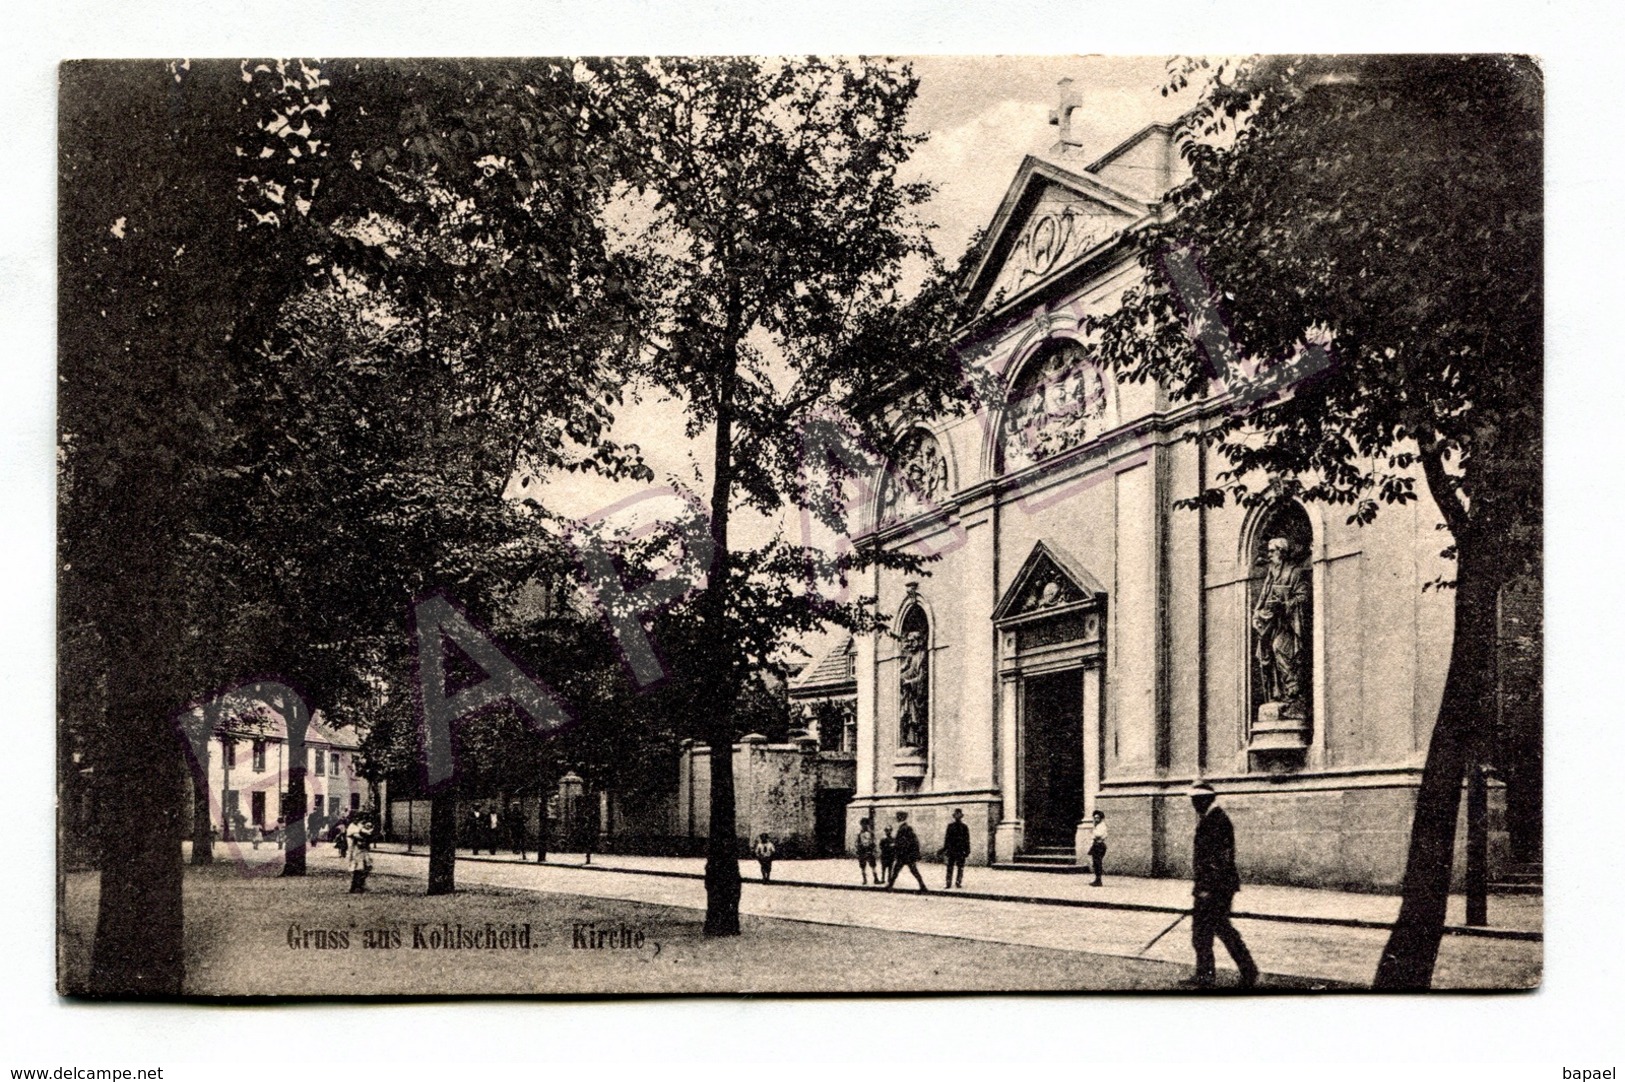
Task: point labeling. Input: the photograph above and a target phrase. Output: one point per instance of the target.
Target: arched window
(916, 478)
(1281, 606)
(1058, 403)
(914, 681)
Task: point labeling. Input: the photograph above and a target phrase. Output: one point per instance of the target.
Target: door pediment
(1049, 583)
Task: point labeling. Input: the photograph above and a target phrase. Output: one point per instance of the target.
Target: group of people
(1213, 859)
(886, 857)
(487, 825)
(895, 852)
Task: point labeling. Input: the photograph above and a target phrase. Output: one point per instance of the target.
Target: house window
(333, 807)
(321, 761)
(256, 808)
(259, 758)
(333, 765)
(355, 802)
(228, 751)
(835, 722)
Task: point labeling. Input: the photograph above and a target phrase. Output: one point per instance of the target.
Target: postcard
(626, 526)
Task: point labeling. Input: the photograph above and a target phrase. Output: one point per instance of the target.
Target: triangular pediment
(1050, 218)
(1049, 582)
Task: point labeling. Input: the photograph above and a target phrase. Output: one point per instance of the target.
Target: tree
(769, 226)
(462, 320)
(157, 283)
(272, 276)
(1386, 211)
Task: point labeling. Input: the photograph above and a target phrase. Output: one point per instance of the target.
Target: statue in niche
(1281, 629)
(913, 689)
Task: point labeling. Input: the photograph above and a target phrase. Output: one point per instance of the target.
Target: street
(1057, 912)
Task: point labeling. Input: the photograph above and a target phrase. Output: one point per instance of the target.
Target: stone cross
(1068, 99)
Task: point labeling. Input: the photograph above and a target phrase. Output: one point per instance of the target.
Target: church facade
(1083, 644)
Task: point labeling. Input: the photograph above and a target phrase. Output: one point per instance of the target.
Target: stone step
(1046, 858)
(1519, 877)
(1041, 866)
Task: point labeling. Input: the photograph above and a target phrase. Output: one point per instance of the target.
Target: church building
(1084, 644)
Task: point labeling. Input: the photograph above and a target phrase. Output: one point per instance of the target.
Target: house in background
(247, 772)
(824, 698)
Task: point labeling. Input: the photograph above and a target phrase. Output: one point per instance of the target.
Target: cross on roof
(1068, 98)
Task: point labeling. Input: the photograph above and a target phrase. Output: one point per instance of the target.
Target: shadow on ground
(267, 936)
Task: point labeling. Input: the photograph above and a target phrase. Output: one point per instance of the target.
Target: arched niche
(915, 480)
(1278, 547)
(1059, 399)
(914, 682)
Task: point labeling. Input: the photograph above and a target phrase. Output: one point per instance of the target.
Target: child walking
(888, 857)
(866, 852)
(765, 851)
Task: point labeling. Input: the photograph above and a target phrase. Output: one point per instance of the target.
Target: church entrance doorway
(1052, 758)
(1051, 626)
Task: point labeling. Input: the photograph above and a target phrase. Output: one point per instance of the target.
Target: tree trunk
(443, 841)
(293, 854)
(139, 948)
(722, 884)
(1408, 959)
(202, 828)
(541, 828)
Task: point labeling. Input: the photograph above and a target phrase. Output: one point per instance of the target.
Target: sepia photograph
(798, 525)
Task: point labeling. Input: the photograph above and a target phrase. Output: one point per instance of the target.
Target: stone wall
(775, 792)
(930, 816)
(1349, 838)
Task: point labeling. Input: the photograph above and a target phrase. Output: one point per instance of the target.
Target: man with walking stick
(1213, 860)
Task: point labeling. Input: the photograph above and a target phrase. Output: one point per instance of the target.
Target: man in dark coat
(908, 853)
(956, 849)
(515, 820)
(1213, 861)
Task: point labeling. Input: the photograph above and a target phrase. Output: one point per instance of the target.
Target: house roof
(265, 723)
(835, 671)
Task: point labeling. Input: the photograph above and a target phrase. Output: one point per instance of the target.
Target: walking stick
(1164, 932)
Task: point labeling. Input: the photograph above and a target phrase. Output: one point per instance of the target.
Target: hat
(1200, 788)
